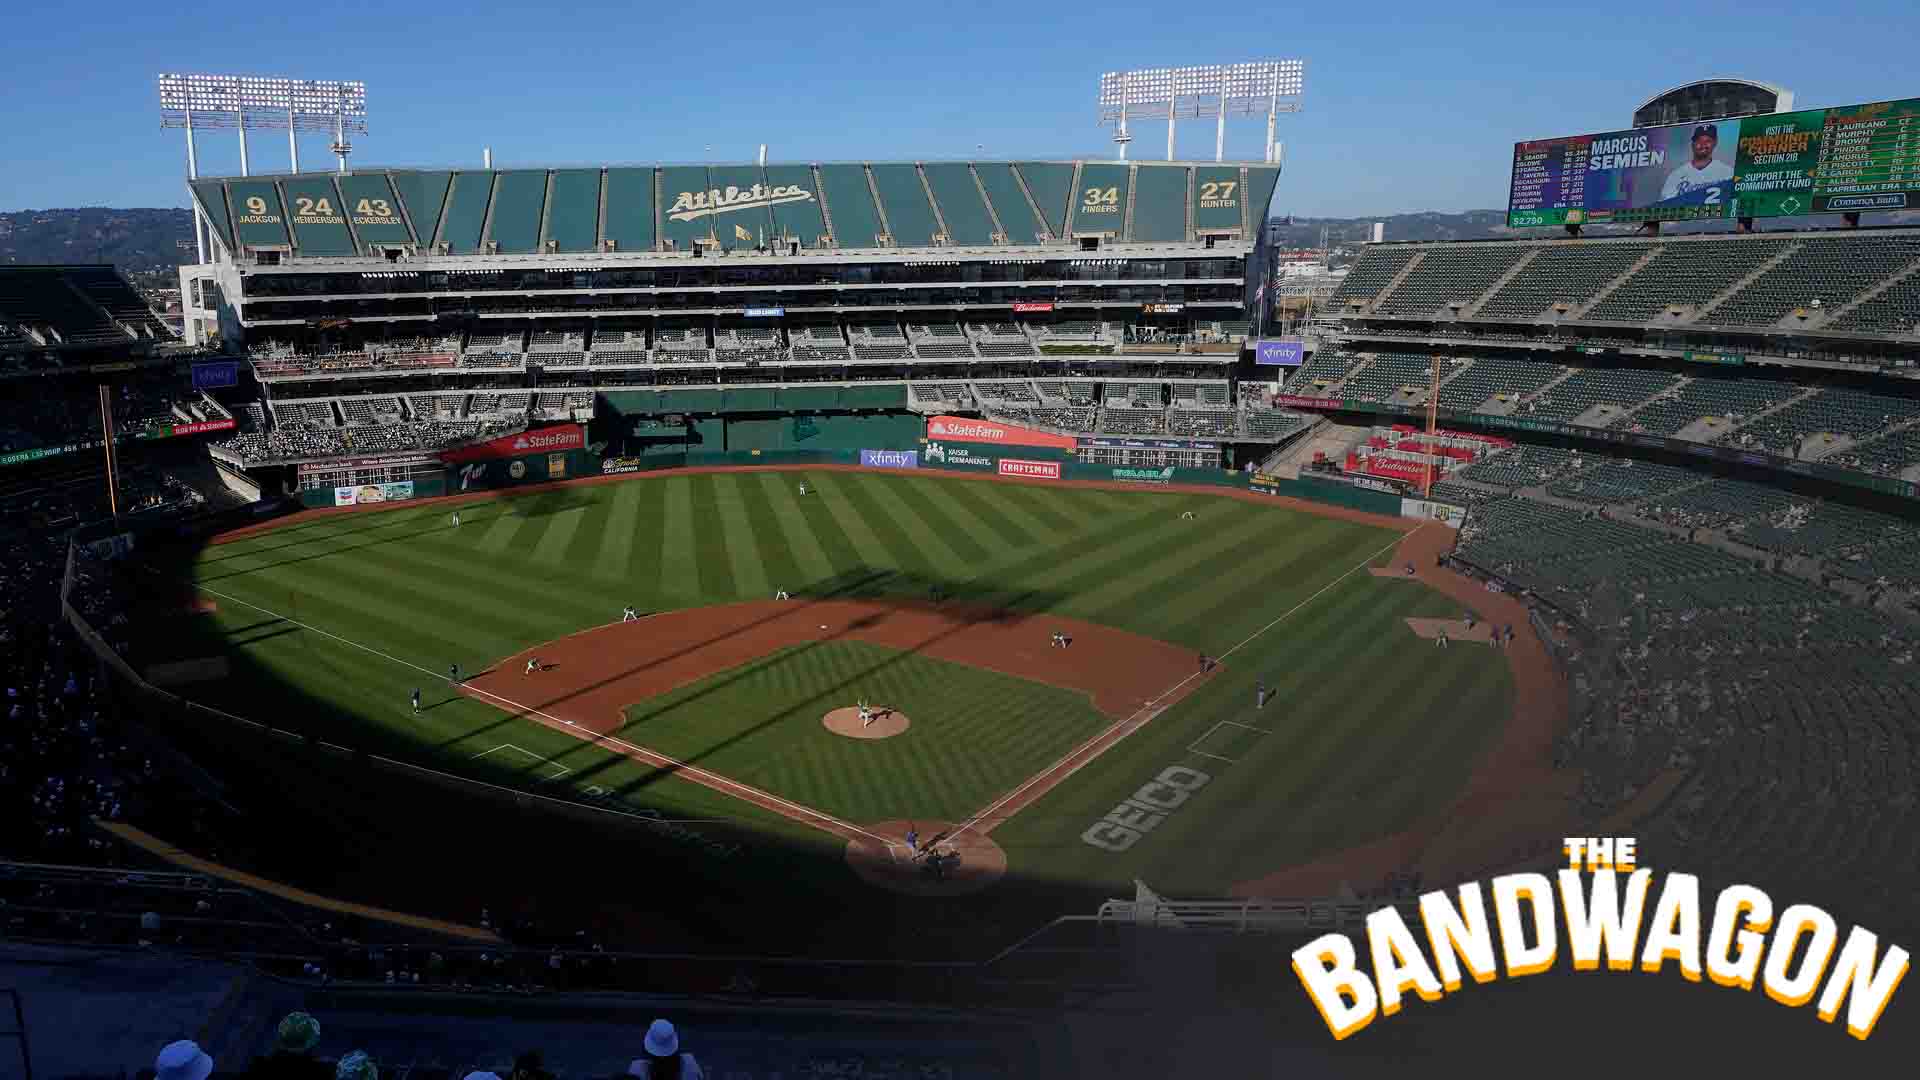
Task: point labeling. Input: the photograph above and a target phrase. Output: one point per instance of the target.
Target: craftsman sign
(1144, 810)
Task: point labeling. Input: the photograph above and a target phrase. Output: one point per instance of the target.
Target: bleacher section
(51, 307)
(1725, 400)
(1388, 377)
(1563, 275)
(1821, 273)
(1586, 388)
(1449, 276)
(1493, 375)
(1376, 269)
(1685, 273)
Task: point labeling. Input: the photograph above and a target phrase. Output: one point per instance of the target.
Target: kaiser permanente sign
(547, 440)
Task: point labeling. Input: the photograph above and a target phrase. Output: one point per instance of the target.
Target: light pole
(1210, 91)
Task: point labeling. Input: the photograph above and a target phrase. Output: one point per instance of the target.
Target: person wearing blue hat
(182, 1060)
(663, 1060)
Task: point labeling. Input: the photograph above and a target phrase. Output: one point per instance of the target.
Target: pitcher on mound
(866, 714)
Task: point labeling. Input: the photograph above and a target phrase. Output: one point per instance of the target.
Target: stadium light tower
(263, 103)
(1191, 93)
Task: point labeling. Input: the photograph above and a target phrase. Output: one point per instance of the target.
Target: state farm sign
(540, 441)
(967, 429)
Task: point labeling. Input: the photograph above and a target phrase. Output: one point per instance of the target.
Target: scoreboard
(1816, 161)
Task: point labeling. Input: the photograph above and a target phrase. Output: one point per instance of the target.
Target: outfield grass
(1370, 727)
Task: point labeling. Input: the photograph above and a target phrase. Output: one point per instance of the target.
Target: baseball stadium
(947, 582)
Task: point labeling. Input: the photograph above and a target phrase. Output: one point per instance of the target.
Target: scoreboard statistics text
(1815, 161)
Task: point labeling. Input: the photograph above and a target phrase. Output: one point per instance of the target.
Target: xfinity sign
(890, 459)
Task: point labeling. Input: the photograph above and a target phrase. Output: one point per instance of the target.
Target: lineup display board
(1815, 161)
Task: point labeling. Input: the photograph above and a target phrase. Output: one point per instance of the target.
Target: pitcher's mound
(889, 864)
(886, 723)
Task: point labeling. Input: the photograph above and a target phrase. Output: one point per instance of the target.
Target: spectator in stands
(292, 1057)
(663, 1060)
(529, 1066)
(182, 1060)
(356, 1066)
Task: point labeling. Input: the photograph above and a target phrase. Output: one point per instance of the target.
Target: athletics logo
(693, 205)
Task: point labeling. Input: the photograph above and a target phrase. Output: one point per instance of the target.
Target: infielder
(453, 673)
(629, 614)
(533, 665)
(416, 699)
(1260, 695)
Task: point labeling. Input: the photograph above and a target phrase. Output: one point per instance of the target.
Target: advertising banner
(1393, 468)
(963, 429)
(168, 431)
(1729, 359)
(1678, 173)
(614, 465)
(1032, 307)
(1306, 402)
(215, 374)
(1043, 470)
(18, 457)
(1279, 352)
(1144, 476)
(890, 459)
(369, 494)
(1450, 516)
(765, 312)
(547, 439)
(956, 455)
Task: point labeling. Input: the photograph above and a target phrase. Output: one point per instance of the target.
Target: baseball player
(453, 674)
(416, 699)
(1188, 516)
(533, 665)
(866, 713)
(913, 840)
(1443, 639)
(803, 488)
(456, 519)
(1260, 695)
(782, 595)
(629, 614)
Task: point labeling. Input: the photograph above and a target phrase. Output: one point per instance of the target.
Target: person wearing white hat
(183, 1060)
(664, 1061)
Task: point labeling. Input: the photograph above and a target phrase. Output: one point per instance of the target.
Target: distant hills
(141, 240)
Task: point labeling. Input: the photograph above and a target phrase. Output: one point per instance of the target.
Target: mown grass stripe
(1201, 556)
(500, 532)
(970, 540)
(907, 533)
(561, 527)
(750, 574)
(614, 557)
(1012, 528)
(679, 580)
(713, 543)
(787, 532)
(852, 518)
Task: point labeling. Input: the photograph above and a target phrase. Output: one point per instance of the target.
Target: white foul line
(714, 778)
(1044, 773)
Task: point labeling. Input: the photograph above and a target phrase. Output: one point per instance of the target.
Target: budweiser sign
(1033, 307)
(966, 429)
(541, 441)
(693, 205)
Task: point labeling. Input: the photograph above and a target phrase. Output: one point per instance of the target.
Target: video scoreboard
(1815, 161)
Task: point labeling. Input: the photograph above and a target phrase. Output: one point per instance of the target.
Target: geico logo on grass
(1140, 814)
(1736, 951)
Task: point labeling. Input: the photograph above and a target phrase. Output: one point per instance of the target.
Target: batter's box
(559, 770)
(1227, 741)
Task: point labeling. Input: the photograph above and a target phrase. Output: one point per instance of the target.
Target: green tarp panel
(630, 210)
(743, 221)
(708, 437)
(1100, 204)
(518, 198)
(1003, 191)
(687, 206)
(212, 196)
(890, 396)
(423, 193)
(1261, 180)
(258, 217)
(632, 402)
(374, 211)
(1050, 183)
(817, 398)
(466, 211)
(1160, 204)
(319, 223)
(756, 399)
(793, 216)
(959, 199)
(690, 401)
(850, 204)
(909, 215)
(1218, 196)
(573, 214)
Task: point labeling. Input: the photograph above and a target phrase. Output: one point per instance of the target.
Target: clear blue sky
(1409, 105)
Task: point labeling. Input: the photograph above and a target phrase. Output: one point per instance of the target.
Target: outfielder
(456, 519)
(416, 699)
(803, 488)
(453, 674)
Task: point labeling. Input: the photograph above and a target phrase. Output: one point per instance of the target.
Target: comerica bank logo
(1745, 942)
(693, 205)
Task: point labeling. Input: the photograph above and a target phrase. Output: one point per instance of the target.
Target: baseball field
(936, 601)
